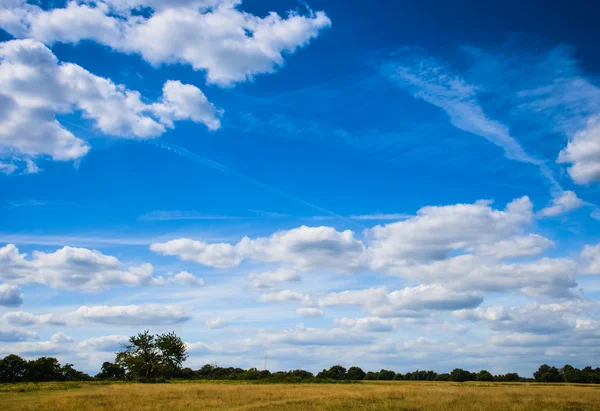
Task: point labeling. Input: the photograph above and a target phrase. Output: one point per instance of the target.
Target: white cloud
(14, 335)
(435, 232)
(140, 315)
(307, 248)
(562, 204)
(546, 276)
(213, 255)
(271, 278)
(7, 168)
(369, 324)
(25, 319)
(10, 295)
(428, 79)
(35, 87)
(531, 318)
(182, 278)
(217, 37)
(58, 343)
(183, 102)
(107, 343)
(461, 248)
(70, 268)
(404, 302)
(303, 248)
(518, 246)
(318, 336)
(216, 323)
(590, 259)
(309, 312)
(583, 153)
(284, 296)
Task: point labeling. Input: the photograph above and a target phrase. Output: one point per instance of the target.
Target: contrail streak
(224, 169)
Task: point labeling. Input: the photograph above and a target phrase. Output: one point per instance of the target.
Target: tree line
(156, 358)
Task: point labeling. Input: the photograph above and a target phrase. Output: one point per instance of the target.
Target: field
(399, 395)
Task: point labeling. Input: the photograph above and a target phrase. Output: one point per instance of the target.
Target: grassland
(399, 395)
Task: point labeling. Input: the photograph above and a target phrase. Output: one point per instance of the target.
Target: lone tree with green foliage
(149, 356)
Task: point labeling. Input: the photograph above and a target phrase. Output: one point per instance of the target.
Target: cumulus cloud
(562, 204)
(404, 302)
(216, 323)
(435, 232)
(531, 318)
(136, 315)
(70, 268)
(270, 279)
(369, 324)
(35, 87)
(107, 343)
(583, 153)
(546, 276)
(518, 246)
(25, 319)
(303, 248)
(212, 255)
(13, 335)
(309, 312)
(464, 247)
(284, 296)
(461, 248)
(318, 336)
(182, 278)
(590, 259)
(139, 315)
(60, 343)
(217, 37)
(10, 295)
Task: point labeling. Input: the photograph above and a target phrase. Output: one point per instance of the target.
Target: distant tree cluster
(338, 372)
(15, 369)
(155, 358)
(587, 375)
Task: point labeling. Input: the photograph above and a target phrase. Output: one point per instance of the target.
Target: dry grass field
(400, 395)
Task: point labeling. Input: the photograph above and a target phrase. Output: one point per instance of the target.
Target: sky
(394, 185)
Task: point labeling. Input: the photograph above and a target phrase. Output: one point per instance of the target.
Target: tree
(111, 371)
(43, 369)
(484, 375)
(173, 353)
(355, 374)
(460, 375)
(572, 374)
(337, 372)
(386, 375)
(12, 368)
(442, 377)
(547, 374)
(371, 375)
(149, 356)
(68, 373)
(421, 375)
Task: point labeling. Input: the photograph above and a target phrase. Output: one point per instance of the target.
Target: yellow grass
(399, 395)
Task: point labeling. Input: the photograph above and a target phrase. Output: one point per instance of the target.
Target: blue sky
(387, 185)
